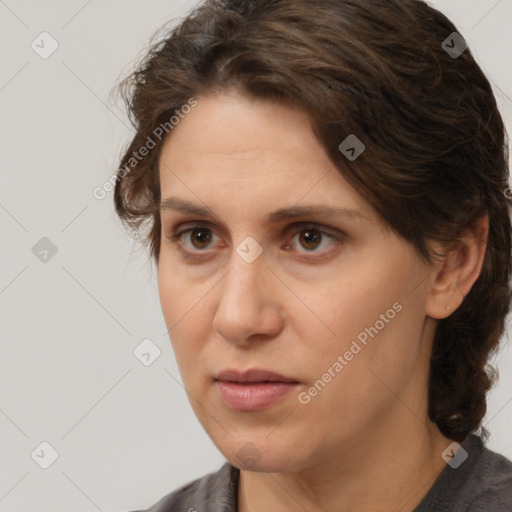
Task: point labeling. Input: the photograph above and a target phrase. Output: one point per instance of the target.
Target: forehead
(236, 127)
(246, 153)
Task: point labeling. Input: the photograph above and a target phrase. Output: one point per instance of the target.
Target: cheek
(345, 309)
(180, 294)
(181, 307)
(169, 291)
(349, 395)
(371, 321)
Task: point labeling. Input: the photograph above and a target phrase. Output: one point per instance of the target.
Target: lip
(253, 390)
(252, 375)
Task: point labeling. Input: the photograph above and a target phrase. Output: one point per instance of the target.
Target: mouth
(252, 376)
(253, 390)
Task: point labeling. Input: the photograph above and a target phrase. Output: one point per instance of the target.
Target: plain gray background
(124, 432)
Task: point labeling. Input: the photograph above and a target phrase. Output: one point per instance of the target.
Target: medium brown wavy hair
(436, 154)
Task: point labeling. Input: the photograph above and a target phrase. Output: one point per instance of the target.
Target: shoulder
(494, 481)
(481, 481)
(215, 492)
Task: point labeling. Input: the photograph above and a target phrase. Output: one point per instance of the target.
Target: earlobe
(454, 276)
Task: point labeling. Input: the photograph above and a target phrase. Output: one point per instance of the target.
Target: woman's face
(331, 301)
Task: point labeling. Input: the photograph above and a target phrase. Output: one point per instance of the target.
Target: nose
(248, 308)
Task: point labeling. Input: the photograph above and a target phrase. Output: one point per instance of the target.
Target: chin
(261, 454)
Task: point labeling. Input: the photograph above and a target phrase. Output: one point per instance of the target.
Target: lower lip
(253, 397)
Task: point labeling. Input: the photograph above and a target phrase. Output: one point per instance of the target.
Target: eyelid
(295, 228)
(186, 226)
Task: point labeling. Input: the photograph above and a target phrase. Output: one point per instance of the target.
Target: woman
(325, 189)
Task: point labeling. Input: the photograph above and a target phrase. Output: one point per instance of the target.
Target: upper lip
(253, 375)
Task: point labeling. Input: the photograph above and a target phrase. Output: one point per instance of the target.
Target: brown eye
(200, 237)
(195, 240)
(310, 238)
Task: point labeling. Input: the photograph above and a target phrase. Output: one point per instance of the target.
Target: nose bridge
(246, 261)
(245, 306)
(248, 267)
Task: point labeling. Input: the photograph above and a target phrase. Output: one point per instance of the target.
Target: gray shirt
(481, 483)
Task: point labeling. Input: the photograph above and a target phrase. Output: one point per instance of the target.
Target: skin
(296, 308)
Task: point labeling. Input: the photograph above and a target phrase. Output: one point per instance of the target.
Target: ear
(456, 273)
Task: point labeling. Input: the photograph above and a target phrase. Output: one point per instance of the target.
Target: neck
(371, 475)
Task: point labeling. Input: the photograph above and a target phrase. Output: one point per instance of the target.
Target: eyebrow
(187, 207)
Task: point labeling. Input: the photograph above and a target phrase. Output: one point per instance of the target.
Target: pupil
(310, 237)
(201, 236)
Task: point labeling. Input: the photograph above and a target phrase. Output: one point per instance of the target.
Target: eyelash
(297, 229)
